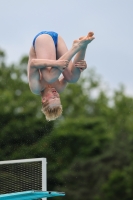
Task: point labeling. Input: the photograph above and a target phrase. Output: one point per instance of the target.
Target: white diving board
(30, 195)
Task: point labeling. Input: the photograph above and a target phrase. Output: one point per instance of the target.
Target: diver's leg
(79, 47)
(45, 49)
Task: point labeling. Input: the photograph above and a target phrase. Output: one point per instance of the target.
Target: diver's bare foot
(90, 36)
(84, 41)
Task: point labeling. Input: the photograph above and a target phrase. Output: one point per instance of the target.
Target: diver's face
(51, 93)
(52, 97)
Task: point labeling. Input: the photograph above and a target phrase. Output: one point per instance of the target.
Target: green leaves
(89, 149)
(21, 119)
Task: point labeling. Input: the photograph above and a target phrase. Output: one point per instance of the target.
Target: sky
(111, 53)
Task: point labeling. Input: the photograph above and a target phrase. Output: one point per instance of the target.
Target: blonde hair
(51, 113)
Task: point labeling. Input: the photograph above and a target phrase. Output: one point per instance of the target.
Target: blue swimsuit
(51, 33)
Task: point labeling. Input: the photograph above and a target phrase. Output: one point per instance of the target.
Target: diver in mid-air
(48, 59)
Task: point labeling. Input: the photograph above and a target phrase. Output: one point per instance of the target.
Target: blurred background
(90, 148)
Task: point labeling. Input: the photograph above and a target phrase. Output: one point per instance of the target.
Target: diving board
(30, 195)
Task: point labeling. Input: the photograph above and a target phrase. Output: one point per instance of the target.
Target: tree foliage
(89, 149)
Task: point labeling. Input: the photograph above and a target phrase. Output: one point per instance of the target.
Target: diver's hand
(82, 65)
(62, 64)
